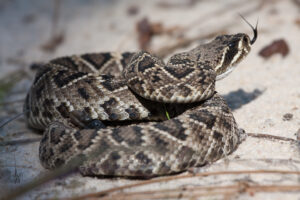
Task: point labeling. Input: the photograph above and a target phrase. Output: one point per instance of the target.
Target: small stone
(287, 117)
(132, 10)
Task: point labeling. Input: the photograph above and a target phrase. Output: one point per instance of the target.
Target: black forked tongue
(254, 30)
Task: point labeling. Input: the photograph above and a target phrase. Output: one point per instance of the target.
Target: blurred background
(36, 31)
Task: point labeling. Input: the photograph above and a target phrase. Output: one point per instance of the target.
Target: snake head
(226, 51)
(235, 48)
(232, 50)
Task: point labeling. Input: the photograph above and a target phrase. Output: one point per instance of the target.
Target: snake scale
(115, 105)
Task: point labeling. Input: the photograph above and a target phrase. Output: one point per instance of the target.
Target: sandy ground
(264, 94)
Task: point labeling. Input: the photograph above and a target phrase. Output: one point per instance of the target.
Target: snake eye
(245, 39)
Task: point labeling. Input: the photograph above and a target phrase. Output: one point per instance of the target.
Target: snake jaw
(226, 73)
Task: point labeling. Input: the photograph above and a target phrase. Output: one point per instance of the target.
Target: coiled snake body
(115, 105)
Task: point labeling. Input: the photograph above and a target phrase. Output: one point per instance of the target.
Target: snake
(135, 114)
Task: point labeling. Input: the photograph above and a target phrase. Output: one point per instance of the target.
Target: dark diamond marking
(43, 71)
(113, 116)
(110, 86)
(63, 110)
(148, 172)
(102, 147)
(58, 162)
(143, 158)
(164, 168)
(87, 110)
(60, 81)
(185, 91)
(138, 136)
(65, 147)
(220, 152)
(109, 167)
(214, 154)
(67, 62)
(97, 60)
(176, 130)
(145, 64)
(116, 135)
(192, 163)
(155, 79)
(226, 125)
(126, 58)
(133, 112)
(47, 114)
(185, 154)
(184, 165)
(176, 61)
(88, 144)
(88, 81)
(161, 144)
(180, 72)
(109, 103)
(218, 136)
(83, 93)
(205, 117)
(161, 127)
(62, 133)
(77, 135)
(48, 103)
(115, 156)
(54, 139)
(58, 77)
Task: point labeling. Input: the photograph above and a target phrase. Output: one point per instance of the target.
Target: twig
(172, 178)
(21, 141)
(271, 137)
(18, 166)
(177, 192)
(11, 119)
(205, 191)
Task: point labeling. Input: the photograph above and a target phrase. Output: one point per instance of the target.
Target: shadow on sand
(238, 98)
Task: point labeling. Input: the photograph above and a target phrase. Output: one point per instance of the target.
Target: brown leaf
(277, 46)
(53, 43)
(146, 30)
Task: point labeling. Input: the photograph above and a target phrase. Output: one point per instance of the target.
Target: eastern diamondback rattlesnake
(115, 104)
